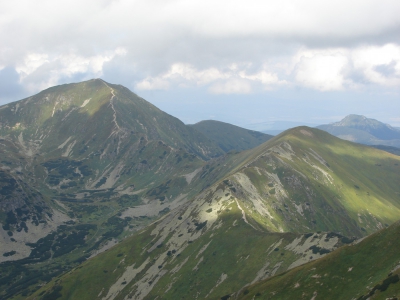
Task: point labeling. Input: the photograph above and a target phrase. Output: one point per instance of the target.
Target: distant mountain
(274, 211)
(363, 130)
(230, 137)
(369, 269)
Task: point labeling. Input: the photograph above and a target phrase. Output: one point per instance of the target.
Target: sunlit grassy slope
(307, 180)
(367, 270)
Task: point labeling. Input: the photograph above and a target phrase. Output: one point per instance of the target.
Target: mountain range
(363, 130)
(104, 196)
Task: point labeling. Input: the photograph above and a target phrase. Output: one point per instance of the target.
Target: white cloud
(233, 79)
(181, 71)
(181, 74)
(335, 69)
(326, 69)
(153, 84)
(38, 70)
(268, 79)
(31, 63)
(321, 70)
(232, 86)
(380, 65)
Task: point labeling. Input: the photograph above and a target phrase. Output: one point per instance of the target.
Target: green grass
(348, 273)
(362, 181)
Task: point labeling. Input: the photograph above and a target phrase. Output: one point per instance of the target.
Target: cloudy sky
(249, 63)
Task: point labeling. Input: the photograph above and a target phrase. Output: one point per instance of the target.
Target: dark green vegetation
(367, 270)
(363, 130)
(89, 166)
(20, 274)
(230, 137)
(28, 203)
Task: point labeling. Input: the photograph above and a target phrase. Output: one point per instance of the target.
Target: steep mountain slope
(363, 130)
(230, 137)
(306, 179)
(274, 211)
(84, 143)
(369, 269)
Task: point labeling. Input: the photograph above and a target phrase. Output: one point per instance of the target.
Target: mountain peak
(84, 110)
(360, 129)
(359, 120)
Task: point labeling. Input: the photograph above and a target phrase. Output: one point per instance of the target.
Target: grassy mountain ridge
(299, 172)
(369, 269)
(230, 137)
(263, 215)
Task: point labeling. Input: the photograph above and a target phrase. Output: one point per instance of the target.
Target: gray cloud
(244, 47)
(164, 31)
(387, 70)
